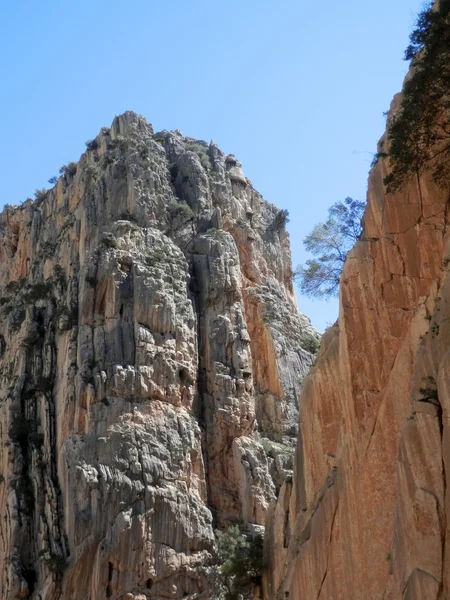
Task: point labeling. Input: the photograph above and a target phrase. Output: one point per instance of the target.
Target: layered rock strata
(150, 365)
(367, 512)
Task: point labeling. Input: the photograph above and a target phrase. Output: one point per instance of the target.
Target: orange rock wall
(366, 514)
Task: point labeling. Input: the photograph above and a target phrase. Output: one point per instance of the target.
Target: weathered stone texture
(150, 366)
(367, 513)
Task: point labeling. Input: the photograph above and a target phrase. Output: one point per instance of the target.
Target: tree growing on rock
(330, 242)
(419, 131)
(241, 563)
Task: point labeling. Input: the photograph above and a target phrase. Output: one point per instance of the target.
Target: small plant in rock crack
(20, 428)
(17, 317)
(59, 273)
(434, 329)
(109, 240)
(55, 562)
(429, 391)
(128, 216)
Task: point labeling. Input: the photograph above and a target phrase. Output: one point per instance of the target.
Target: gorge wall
(151, 358)
(367, 512)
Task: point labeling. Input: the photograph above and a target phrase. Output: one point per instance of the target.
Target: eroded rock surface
(150, 365)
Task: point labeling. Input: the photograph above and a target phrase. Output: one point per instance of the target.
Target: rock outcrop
(150, 365)
(367, 512)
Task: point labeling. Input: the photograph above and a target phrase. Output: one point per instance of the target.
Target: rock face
(151, 358)
(367, 513)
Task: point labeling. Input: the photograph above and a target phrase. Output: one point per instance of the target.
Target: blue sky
(296, 90)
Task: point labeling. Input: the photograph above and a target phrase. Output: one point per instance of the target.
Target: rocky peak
(151, 361)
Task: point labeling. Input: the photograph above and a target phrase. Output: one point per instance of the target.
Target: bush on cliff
(419, 132)
(280, 220)
(241, 563)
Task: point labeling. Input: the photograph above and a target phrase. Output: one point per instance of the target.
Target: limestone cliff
(150, 364)
(367, 512)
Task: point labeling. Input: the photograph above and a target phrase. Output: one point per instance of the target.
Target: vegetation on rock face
(69, 169)
(92, 144)
(281, 219)
(202, 153)
(330, 243)
(180, 213)
(310, 343)
(120, 142)
(241, 563)
(40, 194)
(419, 133)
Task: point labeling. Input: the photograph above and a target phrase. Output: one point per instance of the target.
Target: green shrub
(309, 343)
(143, 151)
(429, 391)
(434, 329)
(92, 144)
(109, 240)
(180, 213)
(53, 180)
(17, 317)
(108, 159)
(241, 562)
(69, 170)
(55, 562)
(201, 152)
(39, 195)
(378, 155)
(59, 272)
(280, 220)
(127, 216)
(20, 428)
(91, 173)
(39, 290)
(120, 142)
(419, 132)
